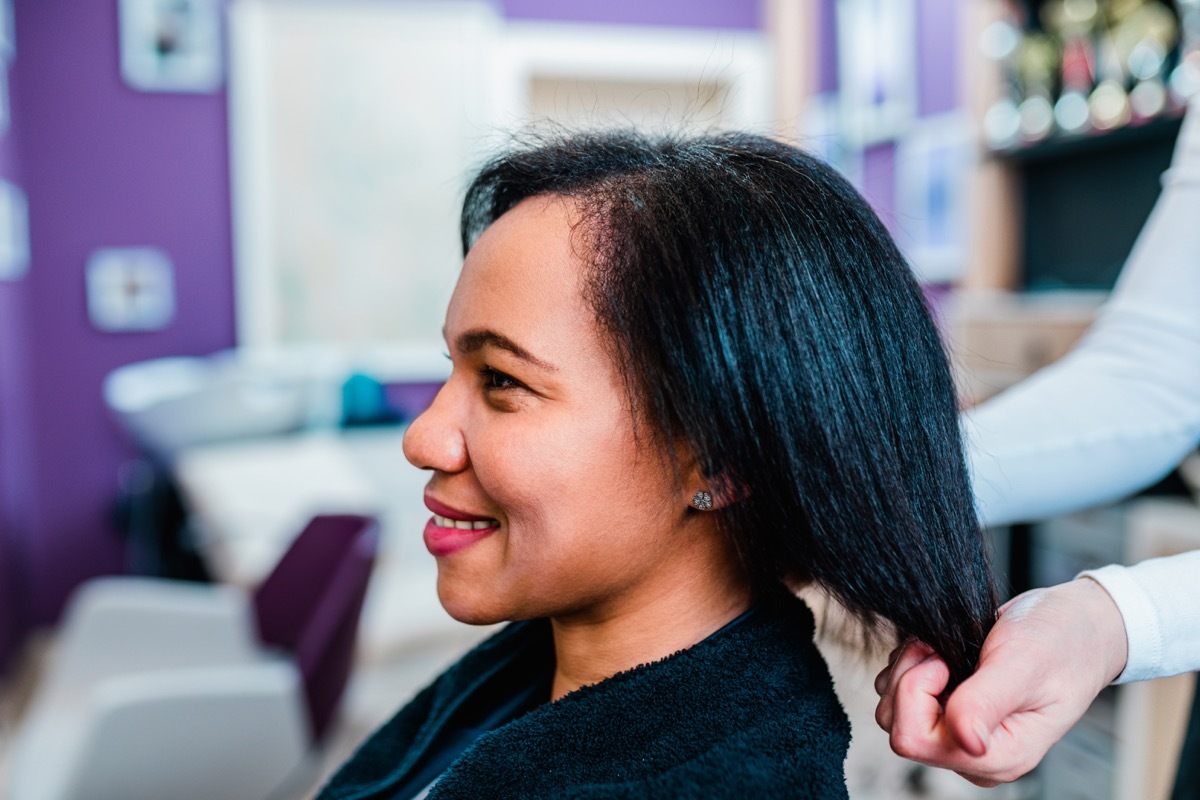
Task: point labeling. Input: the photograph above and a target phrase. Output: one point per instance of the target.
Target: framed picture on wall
(5, 115)
(877, 68)
(8, 38)
(171, 45)
(934, 163)
(14, 232)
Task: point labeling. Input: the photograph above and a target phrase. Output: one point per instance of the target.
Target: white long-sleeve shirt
(1114, 415)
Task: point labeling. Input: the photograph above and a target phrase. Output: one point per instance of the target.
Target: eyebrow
(476, 339)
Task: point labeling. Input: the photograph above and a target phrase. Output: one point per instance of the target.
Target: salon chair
(161, 689)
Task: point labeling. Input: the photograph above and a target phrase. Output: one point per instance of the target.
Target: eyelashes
(496, 381)
(493, 380)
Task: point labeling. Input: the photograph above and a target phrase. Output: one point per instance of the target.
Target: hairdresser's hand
(1049, 655)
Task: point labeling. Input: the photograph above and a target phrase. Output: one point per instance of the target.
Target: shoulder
(777, 758)
(392, 751)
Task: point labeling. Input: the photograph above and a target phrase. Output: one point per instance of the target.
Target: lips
(451, 530)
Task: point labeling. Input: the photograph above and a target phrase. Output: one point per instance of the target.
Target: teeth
(463, 525)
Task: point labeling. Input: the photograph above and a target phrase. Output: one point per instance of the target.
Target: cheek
(537, 480)
(530, 464)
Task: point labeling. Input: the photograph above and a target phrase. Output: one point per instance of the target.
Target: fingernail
(982, 733)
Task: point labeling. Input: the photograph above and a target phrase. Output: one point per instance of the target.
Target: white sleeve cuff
(1159, 600)
(1142, 630)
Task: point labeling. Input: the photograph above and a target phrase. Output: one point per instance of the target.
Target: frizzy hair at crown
(762, 314)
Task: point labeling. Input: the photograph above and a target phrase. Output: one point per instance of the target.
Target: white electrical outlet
(130, 289)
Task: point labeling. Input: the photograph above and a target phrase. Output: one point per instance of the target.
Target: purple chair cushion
(310, 604)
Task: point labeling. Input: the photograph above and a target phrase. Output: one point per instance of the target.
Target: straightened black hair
(763, 316)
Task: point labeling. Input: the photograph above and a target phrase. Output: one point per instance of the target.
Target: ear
(710, 492)
(725, 492)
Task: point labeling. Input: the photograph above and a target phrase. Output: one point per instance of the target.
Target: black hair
(762, 315)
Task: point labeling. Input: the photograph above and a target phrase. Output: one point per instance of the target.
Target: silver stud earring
(702, 501)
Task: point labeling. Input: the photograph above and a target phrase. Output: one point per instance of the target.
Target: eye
(494, 380)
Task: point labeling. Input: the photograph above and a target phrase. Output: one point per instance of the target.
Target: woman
(685, 373)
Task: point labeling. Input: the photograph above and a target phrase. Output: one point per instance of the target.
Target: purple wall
(937, 63)
(879, 181)
(103, 166)
(827, 57)
(691, 13)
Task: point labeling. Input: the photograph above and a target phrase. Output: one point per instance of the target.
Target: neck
(646, 625)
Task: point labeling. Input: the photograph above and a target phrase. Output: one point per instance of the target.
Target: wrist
(1109, 626)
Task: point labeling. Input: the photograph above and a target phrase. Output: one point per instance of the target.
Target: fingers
(906, 657)
(917, 729)
(881, 680)
(1002, 718)
(973, 714)
(1037, 673)
(909, 710)
(989, 731)
(1008, 681)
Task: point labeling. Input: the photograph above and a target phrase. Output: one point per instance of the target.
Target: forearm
(1108, 421)
(1123, 408)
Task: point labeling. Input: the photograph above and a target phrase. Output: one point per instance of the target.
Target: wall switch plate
(130, 289)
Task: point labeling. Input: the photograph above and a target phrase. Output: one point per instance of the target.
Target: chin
(469, 607)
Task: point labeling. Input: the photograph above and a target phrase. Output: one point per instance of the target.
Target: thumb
(981, 703)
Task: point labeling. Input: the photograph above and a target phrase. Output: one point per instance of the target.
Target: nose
(435, 439)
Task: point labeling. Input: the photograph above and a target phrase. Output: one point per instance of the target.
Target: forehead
(524, 278)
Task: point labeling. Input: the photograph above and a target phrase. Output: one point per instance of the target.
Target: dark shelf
(1085, 199)
(1159, 129)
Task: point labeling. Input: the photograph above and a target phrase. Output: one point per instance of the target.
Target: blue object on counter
(365, 402)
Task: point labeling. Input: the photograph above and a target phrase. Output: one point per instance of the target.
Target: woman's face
(561, 511)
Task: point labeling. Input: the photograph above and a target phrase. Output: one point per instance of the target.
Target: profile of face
(545, 501)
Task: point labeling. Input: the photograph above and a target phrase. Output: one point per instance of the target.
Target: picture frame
(8, 37)
(876, 68)
(934, 164)
(5, 109)
(171, 45)
(130, 289)
(14, 232)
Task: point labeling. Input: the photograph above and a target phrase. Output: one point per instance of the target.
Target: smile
(451, 529)
(464, 524)
(445, 536)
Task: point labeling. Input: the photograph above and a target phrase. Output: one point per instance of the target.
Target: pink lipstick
(451, 530)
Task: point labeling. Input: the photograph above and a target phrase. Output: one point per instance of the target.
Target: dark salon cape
(749, 711)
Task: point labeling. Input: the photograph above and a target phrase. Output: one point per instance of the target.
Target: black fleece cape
(748, 712)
